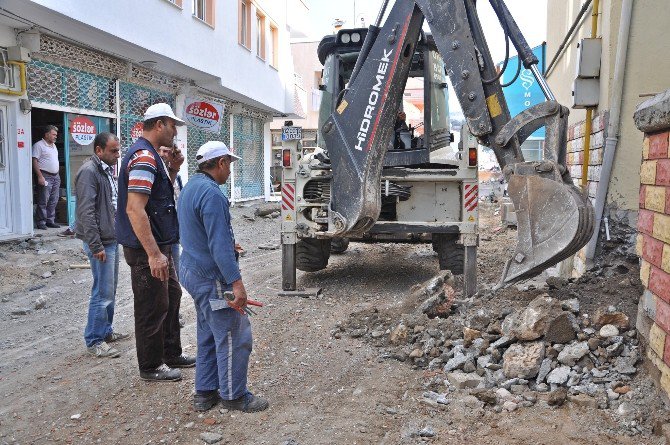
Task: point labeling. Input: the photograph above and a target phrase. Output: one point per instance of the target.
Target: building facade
(88, 67)
(638, 31)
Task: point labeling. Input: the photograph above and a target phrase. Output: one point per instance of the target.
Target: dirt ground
(323, 388)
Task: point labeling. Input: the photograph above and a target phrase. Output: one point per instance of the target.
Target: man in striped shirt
(147, 227)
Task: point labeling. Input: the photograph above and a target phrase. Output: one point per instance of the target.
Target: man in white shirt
(45, 166)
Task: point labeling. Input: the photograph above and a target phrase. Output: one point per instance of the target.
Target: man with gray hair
(97, 194)
(46, 168)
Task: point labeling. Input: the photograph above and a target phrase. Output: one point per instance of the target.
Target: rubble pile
(507, 359)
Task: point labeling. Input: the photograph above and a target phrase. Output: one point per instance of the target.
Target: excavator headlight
(286, 157)
(345, 38)
(472, 157)
(355, 37)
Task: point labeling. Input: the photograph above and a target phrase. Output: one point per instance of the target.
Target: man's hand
(100, 256)
(238, 248)
(176, 159)
(159, 266)
(41, 181)
(240, 297)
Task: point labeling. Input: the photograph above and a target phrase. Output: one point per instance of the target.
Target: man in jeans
(146, 226)
(96, 190)
(208, 269)
(46, 167)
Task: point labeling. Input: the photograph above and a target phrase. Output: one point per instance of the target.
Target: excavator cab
(422, 125)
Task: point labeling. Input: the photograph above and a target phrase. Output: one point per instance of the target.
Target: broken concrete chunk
(523, 360)
(533, 322)
(583, 400)
(545, 369)
(571, 305)
(461, 380)
(469, 335)
(561, 329)
(559, 375)
(572, 353)
(456, 362)
(608, 330)
(618, 319)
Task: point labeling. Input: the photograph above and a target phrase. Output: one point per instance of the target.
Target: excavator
(357, 183)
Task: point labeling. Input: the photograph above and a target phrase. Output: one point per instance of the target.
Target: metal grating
(135, 99)
(68, 54)
(248, 145)
(60, 85)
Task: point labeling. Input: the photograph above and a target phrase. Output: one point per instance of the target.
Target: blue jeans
(103, 293)
(224, 338)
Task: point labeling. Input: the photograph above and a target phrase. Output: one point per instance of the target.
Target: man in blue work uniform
(208, 269)
(146, 226)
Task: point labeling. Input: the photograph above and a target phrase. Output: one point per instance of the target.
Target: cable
(503, 24)
(516, 76)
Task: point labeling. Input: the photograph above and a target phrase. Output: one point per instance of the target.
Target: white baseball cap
(213, 149)
(162, 110)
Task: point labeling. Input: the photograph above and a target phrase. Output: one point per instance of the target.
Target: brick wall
(653, 239)
(576, 151)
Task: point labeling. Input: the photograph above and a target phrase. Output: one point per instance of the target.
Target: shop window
(204, 10)
(6, 71)
(245, 23)
(260, 35)
(274, 46)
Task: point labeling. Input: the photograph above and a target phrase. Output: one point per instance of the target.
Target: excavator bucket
(554, 221)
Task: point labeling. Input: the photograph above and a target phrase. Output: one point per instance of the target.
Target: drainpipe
(586, 160)
(613, 125)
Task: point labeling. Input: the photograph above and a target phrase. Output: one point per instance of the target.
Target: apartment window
(204, 10)
(274, 46)
(260, 35)
(245, 23)
(175, 2)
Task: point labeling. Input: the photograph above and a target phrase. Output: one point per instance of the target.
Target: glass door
(81, 131)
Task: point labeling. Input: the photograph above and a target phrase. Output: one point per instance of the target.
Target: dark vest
(160, 208)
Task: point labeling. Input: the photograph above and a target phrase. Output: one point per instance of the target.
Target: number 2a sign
(291, 133)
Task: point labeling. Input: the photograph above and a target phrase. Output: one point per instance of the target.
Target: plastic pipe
(613, 126)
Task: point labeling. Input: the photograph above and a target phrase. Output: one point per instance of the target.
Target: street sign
(291, 133)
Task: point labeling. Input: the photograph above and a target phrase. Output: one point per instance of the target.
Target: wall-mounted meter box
(588, 58)
(585, 93)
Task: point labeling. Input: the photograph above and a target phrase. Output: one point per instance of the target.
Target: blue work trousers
(103, 294)
(224, 338)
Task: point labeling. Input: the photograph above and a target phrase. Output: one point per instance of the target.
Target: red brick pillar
(653, 240)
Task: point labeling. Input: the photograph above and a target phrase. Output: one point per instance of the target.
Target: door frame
(7, 207)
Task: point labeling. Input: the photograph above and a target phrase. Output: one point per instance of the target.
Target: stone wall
(653, 241)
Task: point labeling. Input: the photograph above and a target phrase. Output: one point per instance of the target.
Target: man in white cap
(208, 269)
(147, 227)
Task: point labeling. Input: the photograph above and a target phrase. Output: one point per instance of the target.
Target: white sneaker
(102, 349)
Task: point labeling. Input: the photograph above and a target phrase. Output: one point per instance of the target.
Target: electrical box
(18, 54)
(588, 58)
(585, 93)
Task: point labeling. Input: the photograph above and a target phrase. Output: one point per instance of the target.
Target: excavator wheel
(339, 245)
(450, 254)
(312, 254)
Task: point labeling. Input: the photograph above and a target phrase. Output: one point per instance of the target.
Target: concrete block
(648, 173)
(662, 227)
(655, 198)
(659, 284)
(645, 148)
(653, 114)
(648, 304)
(639, 242)
(645, 221)
(507, 213)
(643, 195)
(652, 250)
(643, 324)
(658, 145)
(657, 340)
(663, 172)
(645, 270)
(665, 261)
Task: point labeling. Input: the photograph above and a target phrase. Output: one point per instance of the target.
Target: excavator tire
(339, 245)
(312, 254)
(450, 254)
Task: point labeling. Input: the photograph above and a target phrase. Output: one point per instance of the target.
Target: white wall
(179, 42)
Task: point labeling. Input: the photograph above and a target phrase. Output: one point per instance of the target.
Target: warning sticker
(494, 105)
(343, 106)
(288, 218)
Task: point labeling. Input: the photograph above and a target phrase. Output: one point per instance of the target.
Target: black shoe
(248, 403)
(183, 361)
(205, 400)
(42, 226)
(53, 225)
(161, 374)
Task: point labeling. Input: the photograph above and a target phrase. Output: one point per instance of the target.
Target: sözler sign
(82, 130)
(204, 115)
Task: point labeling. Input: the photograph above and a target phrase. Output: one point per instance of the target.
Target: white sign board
(204, 115)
